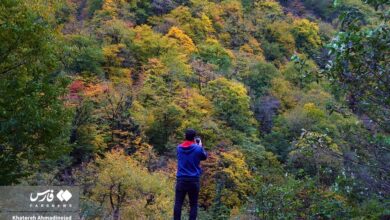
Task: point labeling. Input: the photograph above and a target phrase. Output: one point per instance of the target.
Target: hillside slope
(290, 101)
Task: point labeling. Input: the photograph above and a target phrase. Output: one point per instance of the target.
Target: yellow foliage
(207, 23)
(111, 52)
(198, 111)
(137, 193)
(209, 9)
(238, 88)
(229, 169)
(195, 104)
(246, 49)
(197, 28)
(156, 67)
(143, 152)
(238, 175)
(109, 6)
(113, 6)
(313, 111)
(281, 31)
(318, 95)
(269, 5)
(255, 45)
(183, 40)
(149, 44)
(225, 37)
(253, 48)
(307, 30)
(113, 63)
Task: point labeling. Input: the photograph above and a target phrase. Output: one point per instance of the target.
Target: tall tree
(34, 124)
(361, 65)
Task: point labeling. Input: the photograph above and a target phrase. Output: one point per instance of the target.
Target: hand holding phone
(198, 141)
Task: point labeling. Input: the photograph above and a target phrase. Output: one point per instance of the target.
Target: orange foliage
(92, 90)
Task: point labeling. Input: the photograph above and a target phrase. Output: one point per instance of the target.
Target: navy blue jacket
(189, 155)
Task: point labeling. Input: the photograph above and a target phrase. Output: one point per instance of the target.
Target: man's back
(189, 155)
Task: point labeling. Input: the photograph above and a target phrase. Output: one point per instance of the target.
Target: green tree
(231, 103)
(259, 77)
(212, 52)
(292, 198)
(301, 72)
(84, 56)
(360, 67)
(35, 124)
(321, 155)
(168, 119)
(148, 44)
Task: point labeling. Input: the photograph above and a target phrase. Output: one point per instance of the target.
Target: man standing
(189, 155)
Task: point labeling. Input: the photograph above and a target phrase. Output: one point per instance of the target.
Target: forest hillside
(291, 100)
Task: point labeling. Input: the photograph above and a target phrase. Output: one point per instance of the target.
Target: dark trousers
(183, 187)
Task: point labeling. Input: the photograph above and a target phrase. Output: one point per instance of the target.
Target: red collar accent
(187, 143)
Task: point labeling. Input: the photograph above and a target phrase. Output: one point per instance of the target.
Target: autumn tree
(306, 34)
(182, 39)
(227, 180)
(126, 190)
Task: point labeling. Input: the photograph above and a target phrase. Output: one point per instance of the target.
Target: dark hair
(190, 134)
